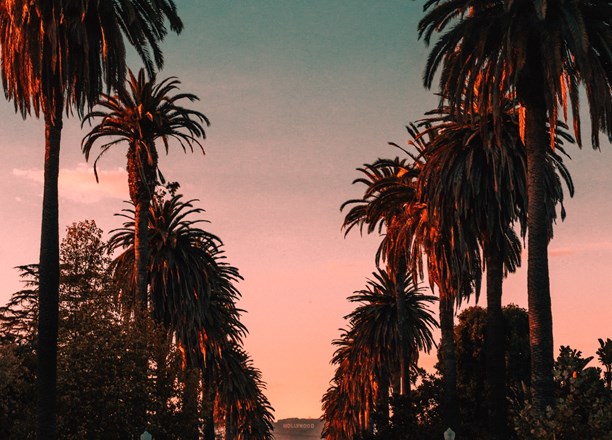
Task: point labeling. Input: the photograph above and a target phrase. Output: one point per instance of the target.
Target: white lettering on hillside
(298, 425)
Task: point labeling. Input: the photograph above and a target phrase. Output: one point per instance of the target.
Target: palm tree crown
(536, 50)
(538, 53)
(368, 354)
(192, 289)
(68, 50)
(148, 111)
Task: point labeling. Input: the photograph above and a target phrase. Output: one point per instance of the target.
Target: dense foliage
(103, 392)
(583, 401)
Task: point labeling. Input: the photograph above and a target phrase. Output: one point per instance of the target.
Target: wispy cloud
(582, 248)
(561, 252)
(79, 184)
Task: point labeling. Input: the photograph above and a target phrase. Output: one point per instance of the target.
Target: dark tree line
(102, 388)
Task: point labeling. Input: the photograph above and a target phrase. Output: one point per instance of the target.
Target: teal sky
(299, 94)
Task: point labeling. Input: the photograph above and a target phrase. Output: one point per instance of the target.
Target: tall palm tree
(56, 56)
(411, 238)
(381, 209)
(239, 389)
(471, 181)
(368, 354)
(148, 112)
(539, 53)
(192, 288)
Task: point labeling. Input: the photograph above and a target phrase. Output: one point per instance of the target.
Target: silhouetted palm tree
(375, 323)
(382, 209)
(239, 388)
(413, 238)
(368, 354)
(538, 53)
(192, 288)
(56, 56)
(481, 185)
(338, 414)
(148, 112)
(344, 401)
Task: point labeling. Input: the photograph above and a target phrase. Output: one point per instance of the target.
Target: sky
(299, 94)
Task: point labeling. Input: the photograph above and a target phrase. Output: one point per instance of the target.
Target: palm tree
(148, 112)
(456, 271)
(192, 288)
(190, 284)
(412, 237)
(56, 56)
(338, 414)
(368, 353)
(380, 209)
(342, 418)
(539, 53)
(470, 181)
(239, 390)
(375, 332)
(604, 354)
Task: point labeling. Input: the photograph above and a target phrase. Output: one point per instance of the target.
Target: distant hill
(298, 429)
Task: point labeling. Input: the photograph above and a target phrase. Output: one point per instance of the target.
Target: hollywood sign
(298, 426)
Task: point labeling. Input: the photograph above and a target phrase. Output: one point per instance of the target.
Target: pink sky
(299, 95)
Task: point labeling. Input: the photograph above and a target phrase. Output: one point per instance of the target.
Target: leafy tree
(84, 261)
(17, 391)
(427, 405)
(108, 397)
(148, 112)
(56, 56)
(538, 53)
(19, 317)
(583, 405)
(470, 335)
(472, 359)
(101, 389)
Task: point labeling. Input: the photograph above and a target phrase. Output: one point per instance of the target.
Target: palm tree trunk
(141, 250)
(208, 403)
(382, 403)
(49, 280)
(494, 343)
(402, 326)
(230, 424)
(190, 404)
(141, 191)
(538, 285)
(450, 403)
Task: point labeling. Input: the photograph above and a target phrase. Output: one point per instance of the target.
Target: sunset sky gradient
(299, 94)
